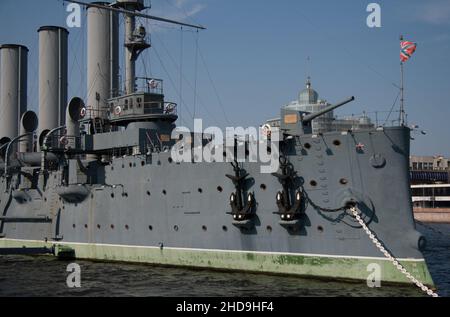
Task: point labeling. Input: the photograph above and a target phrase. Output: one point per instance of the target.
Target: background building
(308, 101)
(429, 169)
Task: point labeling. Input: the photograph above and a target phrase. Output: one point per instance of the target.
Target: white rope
(389, 256)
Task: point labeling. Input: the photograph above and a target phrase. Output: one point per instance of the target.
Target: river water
(45, 276)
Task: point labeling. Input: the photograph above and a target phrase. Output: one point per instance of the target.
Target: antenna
(134, 13)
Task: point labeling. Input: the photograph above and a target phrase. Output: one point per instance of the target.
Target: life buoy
(153, 84)
(170, 108)
(83, 112)
(117, 110)
(63, 141)
(267, 130)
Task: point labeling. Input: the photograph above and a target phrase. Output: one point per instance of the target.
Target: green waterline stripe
(221, 251)
(331, 267)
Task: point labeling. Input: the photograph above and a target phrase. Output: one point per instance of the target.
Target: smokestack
(73, 116)
(28, 124)
(103, 62)
(53, 63)
(13, 89)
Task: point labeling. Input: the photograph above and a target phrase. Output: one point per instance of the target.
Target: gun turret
(295, 122)
(311, 117)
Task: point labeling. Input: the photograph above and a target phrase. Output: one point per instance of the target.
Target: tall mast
(402, 92)
(135, 42)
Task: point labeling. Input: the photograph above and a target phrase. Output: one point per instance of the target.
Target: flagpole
(402, 91)
(402, 100)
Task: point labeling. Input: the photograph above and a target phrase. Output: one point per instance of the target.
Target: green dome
(308, 96)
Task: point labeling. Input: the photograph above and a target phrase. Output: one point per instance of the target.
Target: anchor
(242, 211)
(289, 212)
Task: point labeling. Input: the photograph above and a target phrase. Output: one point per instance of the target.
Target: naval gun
(296, 123)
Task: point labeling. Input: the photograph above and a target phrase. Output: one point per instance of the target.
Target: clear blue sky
(256, 52)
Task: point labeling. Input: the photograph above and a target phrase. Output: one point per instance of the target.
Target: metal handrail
(9, 147)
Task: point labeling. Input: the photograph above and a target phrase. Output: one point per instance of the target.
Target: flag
(407, 50)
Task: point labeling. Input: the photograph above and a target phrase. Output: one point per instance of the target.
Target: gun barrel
(311, 117)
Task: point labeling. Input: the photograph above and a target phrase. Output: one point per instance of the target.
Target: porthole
(343, 181)
(170, 160)
(320, 229)
(313, 183)
(176, 228)
(164, 192)
(205, 228)
(86, 226)
(74, 226)
(99, 227)
(263, 186)
(112, 195)
(337, 143)
(307, 146)
(148, 193)
(219, 189)
(225, 228)
(112, 227)
(200, 190)
(269, 229)
(150, 228)
(127, 227)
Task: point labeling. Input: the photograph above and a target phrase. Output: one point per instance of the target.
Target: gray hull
(148, 209)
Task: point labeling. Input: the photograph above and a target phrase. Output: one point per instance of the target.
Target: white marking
(218, 251)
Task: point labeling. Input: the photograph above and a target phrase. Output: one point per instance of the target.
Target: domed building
(308, 101)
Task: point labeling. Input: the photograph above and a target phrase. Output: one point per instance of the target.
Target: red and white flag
(407, 50)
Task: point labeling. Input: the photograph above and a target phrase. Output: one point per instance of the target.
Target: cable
(214, 87)
(392, 109)
(170, 79)
(196, 73)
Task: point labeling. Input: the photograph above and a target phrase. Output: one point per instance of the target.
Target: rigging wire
(170, 79)
(219, 99)
(392, 109)
(196, 73)
(348, 52)
(200, 102)
(181, 7)
(181, 73)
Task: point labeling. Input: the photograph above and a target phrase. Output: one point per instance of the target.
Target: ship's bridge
(145, 105)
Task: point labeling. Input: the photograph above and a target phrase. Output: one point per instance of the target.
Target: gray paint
(130, 64)
(73, 116)
(102, 71)
(53, 68)
(184, 206)
(28, 124)
(13, 88)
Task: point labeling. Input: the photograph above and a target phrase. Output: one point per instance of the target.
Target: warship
(96, 179)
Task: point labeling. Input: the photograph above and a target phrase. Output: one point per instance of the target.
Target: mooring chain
(389, 256)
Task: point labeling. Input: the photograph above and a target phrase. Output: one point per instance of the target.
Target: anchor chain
(389, 256)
